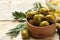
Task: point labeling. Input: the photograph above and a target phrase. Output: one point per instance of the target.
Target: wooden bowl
(40, 32)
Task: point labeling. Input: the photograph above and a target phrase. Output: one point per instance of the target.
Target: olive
(42, 16)
(25, 34)
(37, 19)
(58, 28)
(31, 14)
(44, 23)
(50, 18)
(58, 20)
(51, 13)
(44, 11)
(31, 22)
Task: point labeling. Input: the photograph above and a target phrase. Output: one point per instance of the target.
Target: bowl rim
(41, 26)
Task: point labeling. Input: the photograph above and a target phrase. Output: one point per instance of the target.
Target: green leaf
(37, 6)
(19, 15)
(15, 31)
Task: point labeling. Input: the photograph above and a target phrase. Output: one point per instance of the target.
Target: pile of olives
(42, 17)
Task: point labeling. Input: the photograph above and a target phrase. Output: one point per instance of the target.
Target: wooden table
(6, 25)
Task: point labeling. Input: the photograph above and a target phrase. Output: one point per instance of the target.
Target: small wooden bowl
(40, 32)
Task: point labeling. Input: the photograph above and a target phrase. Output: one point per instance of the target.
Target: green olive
(31, 22)
(44, 11)
(44, 23)
(25, 34)
(50, 18)
(31, 14)
(34, 12)
(58, 28)
(51, 13)
(42, 16)
(37, 19)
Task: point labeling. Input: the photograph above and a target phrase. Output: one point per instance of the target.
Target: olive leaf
(37, 6)
(19, 15)
(15, 31)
